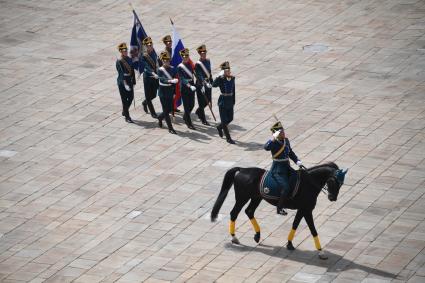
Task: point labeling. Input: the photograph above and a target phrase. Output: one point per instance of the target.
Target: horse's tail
(225, 187)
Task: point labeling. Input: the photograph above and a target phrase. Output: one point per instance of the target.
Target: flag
(138, 33)
(176, 59)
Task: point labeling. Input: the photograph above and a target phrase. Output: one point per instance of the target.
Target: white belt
(227, 94)
(163, 84)
(126, 75)
(280, 160)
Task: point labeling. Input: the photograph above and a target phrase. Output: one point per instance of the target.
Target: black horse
(327, 177)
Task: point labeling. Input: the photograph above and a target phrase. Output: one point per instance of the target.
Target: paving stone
(86, 197)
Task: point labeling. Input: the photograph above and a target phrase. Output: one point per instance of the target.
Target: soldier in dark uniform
(168, 45)
(168, 42)
(187, 86)
(167, 84)
(281, 150)
(226, 82)
(126, 80)
(203, 83)
(150, 78)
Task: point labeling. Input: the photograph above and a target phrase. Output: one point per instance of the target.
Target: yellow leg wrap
(291, 235)
(232, 228)
(255, 225)
(317, 243)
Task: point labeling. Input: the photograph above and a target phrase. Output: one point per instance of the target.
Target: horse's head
(334, 183)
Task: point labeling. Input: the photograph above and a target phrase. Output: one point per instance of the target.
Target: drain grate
(7, 153)
(316, 48)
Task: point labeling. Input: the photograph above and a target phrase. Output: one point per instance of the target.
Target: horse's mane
(327, 164)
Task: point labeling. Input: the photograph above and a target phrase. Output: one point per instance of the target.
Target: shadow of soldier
(250, 146)
(334, 264)
(146, 124)
(193, 135)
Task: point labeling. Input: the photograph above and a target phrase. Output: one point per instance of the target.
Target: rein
(325, 189)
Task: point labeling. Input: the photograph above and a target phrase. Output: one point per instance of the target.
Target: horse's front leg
(295, 224)
(310, 222)
(250, 210)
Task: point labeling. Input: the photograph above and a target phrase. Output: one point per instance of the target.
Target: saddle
(272, 190)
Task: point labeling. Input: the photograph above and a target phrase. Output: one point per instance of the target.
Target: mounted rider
(279, 173)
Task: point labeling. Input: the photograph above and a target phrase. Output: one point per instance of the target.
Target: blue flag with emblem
(138, 33)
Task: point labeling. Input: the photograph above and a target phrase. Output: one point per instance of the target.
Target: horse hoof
(257, 237)
(235, 240)
(322, 255)
(290, 246)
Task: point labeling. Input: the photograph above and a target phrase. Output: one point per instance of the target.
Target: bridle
(325, 188)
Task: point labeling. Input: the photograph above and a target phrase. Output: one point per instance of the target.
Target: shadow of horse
(334, 263)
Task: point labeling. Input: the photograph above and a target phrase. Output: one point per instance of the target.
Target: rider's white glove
(221, 73)
(299, 163)
(192, 88)
(127, 87)
(275, 135)
(173, 81)
(154, 75)
(209, 85)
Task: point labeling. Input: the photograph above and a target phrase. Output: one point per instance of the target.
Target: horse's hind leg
(250, 210)
(233, 215)
(310, 222)
(295, 224)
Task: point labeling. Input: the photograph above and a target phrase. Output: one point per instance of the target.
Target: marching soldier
(226, 82)
(168, 45)
(150, 78)
(167, 81)
(203, 83)
(169, 49)
(187, 86)
(126, 80)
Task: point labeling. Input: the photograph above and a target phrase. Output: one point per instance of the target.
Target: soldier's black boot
(145, 107)
(279, 207)
(128, 119)
(151, 109)
(198, 113)
(185, 119)
(226, 132)
(220, 130)
(160, 117)
(169, 125)
(203, 118)
(189, 122)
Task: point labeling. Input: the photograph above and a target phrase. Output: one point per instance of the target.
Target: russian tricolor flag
(176, 59)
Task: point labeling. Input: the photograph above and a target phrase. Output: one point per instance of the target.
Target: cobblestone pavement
(86, 197)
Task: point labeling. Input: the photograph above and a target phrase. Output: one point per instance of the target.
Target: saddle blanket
(271, 189)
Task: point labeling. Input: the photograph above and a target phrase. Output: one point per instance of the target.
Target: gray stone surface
(85, 197)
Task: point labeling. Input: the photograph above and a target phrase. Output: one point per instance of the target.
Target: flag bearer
(187, 86)
(203, 83)
(150, 78)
